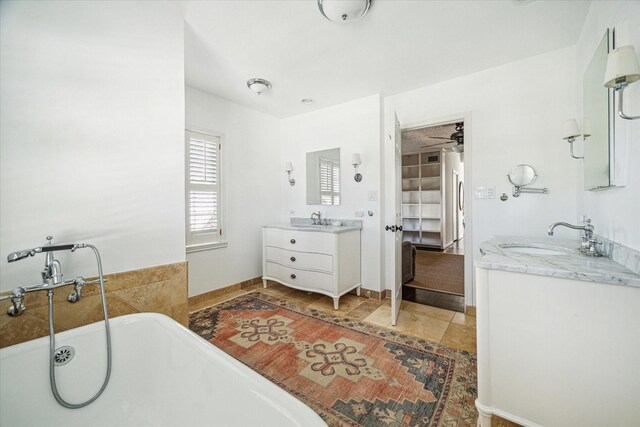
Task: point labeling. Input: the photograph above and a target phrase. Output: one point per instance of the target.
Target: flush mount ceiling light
(259, 86)
(344, 11)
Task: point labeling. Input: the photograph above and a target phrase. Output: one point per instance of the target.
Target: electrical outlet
(359, 214)
(372, 195)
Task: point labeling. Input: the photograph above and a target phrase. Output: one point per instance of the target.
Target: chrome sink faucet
(589, 242)
(315, 217)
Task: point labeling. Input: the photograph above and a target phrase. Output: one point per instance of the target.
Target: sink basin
(533, 250)
(308, 225)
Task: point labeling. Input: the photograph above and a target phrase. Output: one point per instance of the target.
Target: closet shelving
(422, 199)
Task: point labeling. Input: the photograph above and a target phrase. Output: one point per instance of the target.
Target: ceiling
(398, 46)
(420, 140)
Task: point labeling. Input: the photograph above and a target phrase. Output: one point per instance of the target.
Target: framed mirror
(522, 175)
(598, 119)
(323, 177)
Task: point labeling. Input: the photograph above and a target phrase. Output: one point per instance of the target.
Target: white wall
(517, 112)
(614, 212)
(91, 131)
(251, 178)
(354, 127)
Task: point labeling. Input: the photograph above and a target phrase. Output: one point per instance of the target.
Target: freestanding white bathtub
(162, 375)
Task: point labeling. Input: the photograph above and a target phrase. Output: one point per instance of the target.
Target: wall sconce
(570, 132)
(288, 168)
(622, 69)
(355, 161)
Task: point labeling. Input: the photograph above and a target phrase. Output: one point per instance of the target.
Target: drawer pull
(293, 276)
(293, 259)
(293, 241)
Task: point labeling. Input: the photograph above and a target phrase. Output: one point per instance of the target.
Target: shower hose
(52, 343)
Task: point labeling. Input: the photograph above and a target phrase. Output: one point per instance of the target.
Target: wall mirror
(323, 177)
(598, 120)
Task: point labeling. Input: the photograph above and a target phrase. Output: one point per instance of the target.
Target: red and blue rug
(351, 373)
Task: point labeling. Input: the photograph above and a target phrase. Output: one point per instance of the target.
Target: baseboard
(197, 299)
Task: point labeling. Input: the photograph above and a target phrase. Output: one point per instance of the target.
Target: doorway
(432, 209)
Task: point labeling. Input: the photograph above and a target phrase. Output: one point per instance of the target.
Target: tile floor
(453, 329)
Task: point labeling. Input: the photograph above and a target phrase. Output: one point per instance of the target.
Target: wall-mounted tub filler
(51, 280)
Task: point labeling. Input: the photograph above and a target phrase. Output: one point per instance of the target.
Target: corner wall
(615, 211)
(251, 177)
(91, 131)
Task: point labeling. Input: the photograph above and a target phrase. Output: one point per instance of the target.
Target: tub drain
(63, 355)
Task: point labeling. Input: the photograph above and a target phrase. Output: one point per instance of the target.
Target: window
(329, 182)
(203, 195)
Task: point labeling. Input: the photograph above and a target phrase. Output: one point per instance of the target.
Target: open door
(395, 243)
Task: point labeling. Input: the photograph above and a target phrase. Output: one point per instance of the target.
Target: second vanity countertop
(571, 264)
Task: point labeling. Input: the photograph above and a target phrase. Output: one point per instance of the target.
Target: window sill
(206, 247)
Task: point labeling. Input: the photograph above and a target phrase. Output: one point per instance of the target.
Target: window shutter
(203, 190)
(329, 182)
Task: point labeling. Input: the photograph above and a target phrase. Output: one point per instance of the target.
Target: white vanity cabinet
(320, 260)
(560, 347)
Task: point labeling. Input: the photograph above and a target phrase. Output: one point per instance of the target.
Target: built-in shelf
(422, 199)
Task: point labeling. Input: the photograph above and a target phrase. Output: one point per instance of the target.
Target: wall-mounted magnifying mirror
(522, 176)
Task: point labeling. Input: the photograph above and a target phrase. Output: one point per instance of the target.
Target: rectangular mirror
(597, 121)
(323, 177)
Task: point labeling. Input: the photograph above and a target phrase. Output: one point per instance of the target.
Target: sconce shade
(570, 129)
(355, 160)
(288, 167)
(622, 67)
(344, 11)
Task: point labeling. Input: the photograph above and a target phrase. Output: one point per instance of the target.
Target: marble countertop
(571, 264)
(303, 224)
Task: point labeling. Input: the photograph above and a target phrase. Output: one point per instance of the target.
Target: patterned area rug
(350, 372)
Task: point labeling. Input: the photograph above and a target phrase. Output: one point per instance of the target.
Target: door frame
(389, 174)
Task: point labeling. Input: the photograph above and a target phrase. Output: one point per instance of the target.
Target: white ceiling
(422, 139)
(400, 45)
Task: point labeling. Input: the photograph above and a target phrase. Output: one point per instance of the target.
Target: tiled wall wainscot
(161, 289)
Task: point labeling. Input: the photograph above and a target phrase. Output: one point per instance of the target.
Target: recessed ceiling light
(307, 100)
(259, 86)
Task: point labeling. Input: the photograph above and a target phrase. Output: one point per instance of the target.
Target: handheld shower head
(17, 256)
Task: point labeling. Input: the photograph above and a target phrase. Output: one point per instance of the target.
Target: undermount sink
(533, 250)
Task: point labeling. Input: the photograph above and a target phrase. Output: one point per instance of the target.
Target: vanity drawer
(300, 260)
(301, 241)
(301, 278)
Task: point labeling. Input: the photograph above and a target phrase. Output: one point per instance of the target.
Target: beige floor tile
(364, 309)
(276, 289)
(347, 303)
(420, 326)
(461, 337)
(380, 317)
(213, 301)
(428, 311)
(464, 319)
(303, 297)
(496, 421)
(471, 311)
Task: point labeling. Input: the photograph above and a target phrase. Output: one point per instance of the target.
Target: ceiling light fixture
(307, 100)
(259, 86)
(344, 11)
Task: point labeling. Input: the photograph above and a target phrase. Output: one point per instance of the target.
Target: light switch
(372, 195)
(485, 192)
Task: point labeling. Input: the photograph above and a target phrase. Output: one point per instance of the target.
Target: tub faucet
(589, 242)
